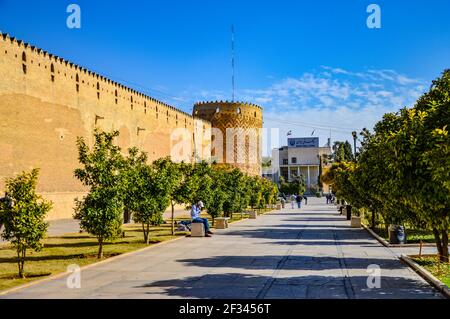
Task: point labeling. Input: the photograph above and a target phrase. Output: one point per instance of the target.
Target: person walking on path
(195, 215)
(299, 199)
(306, 199)
(293, 200)
(8, 202)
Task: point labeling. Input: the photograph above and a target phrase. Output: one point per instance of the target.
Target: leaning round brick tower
(236, 133)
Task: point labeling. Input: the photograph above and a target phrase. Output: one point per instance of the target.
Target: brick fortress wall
(46, 102)
(240, 124)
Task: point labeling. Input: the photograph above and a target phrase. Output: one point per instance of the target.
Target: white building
(300, 158)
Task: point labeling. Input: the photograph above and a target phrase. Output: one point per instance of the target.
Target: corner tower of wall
(240, 125)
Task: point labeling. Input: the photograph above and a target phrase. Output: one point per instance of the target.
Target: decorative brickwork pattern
(240, 124)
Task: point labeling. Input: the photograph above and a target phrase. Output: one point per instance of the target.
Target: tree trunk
(24, 255)
(18, 263)
(143, 232)
(147, 236)
(126, 216)
(437, 238)
(173, 219)
(373, 221)
(21, 261)
(444, 256)
(100, 248)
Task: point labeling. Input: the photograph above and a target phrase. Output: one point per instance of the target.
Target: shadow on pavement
(297, 232)
(291, 262)
(242, 286)
(323, 243)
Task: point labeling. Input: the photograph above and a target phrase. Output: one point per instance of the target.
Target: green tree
(296, 186)
(419, 151)
(202, 180)
(235, 187)
(179, 184)
(134, 178)
(24, 217)
(144, 194)
(342, 152)
(151, 197)
(255, 188)
(100, 212)
(402, 172)
(284, 186)
(269, 191)
(175, 178)
(216, 200)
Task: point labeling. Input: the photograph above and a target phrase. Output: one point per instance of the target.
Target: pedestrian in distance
(293, 200)
(299, 199)
(6, 202)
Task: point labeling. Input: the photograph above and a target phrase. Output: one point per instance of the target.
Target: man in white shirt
(195, 215)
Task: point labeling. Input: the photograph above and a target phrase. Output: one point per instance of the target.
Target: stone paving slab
(301, 253)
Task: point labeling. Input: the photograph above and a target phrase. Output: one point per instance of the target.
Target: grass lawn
(413, 236)
(80, 249)
(436, 268)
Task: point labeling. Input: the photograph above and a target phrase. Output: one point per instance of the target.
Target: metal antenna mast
(232, 61)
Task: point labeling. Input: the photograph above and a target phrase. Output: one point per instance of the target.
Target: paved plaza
(295, 253)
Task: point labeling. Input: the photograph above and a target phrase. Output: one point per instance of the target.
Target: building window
(294, 160)
(285, 161)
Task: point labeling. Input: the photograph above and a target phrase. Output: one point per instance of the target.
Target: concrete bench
(222, 222)
(197, 230)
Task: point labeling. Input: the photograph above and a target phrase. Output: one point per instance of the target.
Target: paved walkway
(307, 253)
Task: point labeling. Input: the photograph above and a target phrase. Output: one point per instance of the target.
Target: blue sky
(312, 65)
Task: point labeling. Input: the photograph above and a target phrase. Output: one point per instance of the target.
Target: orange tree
(419, 160)
(100, 211)
(255, 189)
(23, 216)
(269, 191)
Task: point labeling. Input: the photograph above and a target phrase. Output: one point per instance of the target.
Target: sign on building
(303, 142)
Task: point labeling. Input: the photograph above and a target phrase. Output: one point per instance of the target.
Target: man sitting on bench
(195, 215)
